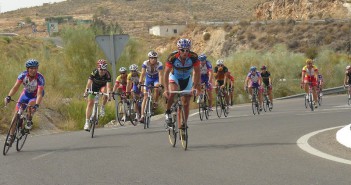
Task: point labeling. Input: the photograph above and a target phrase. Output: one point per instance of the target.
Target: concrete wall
(167, 30)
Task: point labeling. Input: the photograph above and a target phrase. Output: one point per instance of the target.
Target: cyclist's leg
(314, 92)
(270, 95)
(210, 98)
(260, 99)
(306, 84)
(88, 111)
(186, 98)
(157, 90)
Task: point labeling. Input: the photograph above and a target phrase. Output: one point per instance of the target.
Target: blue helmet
(184, 44)
(253, 68)
(202, 57)
(32, 63)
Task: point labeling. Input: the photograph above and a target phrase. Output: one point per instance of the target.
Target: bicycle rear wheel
(131, 113)
(21, 135)
(121, 113)
(218, 107)
(319, 100)
(183, 131)
(13, 124)
(225, 107)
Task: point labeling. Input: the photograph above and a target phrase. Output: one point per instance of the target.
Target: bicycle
(125, 109)
(21, 133)
(149, 106)
(94, 118)
(266, 102)
(254, 102)
(221, 103)
(230, 95)
(348, 94)
(203, 103)
(178, 116)
(309, 97)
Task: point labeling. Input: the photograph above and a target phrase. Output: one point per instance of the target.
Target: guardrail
(334, 90)
(8, 34)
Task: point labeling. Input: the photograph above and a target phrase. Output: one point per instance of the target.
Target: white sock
(87, 121)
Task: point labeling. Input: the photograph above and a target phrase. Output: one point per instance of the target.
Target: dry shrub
(206, 36)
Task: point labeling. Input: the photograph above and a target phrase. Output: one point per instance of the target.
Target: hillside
(298, 24)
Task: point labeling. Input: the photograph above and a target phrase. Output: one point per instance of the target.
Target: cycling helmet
(152, 54)
(32, 63)
(348, 67)
(133, 67)
(202, 57)
(184, 44)
(219, 62)
(253, 68)
(101, 64)
(309, 60)
(122, 69)
(263, 67)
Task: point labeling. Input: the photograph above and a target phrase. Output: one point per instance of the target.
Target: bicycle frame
(94, 118)
(148, 109)
(309, 99)
(255, 103)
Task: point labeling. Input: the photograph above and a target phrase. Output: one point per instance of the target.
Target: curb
(343, 136)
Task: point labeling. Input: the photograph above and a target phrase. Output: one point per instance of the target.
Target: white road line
(43, 155)
(302, 142)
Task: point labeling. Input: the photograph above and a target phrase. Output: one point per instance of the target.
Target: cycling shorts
(205, 79)
(150, 81)
(313, 80)
(183, 84)
(26, 98)
(100, 89)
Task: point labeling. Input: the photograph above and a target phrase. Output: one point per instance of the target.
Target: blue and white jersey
(31, 86)
(152, 71)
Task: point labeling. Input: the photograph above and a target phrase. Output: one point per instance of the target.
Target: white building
(167, 30)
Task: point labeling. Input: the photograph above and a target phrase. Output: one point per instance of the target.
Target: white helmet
(152, 54)
(122, 69)
(133, 67)
(219, 62)
(348, 67)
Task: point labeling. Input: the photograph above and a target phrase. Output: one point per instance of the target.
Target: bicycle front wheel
(218, 107)
(201, 110)
(265, 104)
(147, 114)
(172, 135)
(121, 116)
(21, 135)
(310, 99)
(225, 107)
(8, 146)
(131, 113)
(183, 130)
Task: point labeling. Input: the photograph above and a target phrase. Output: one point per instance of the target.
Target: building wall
(167, 30)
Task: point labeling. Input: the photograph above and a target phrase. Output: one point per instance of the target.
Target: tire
(130, 112)
(201, 110)
(120, 113)
(13, 124)
(21, 136)
(206, 108)
(311, 102)
(147, 114)
(172, 136)
(265, 104)
(225, 107)
(253, 105)
(218, 107)
(183, 132)
(306, 102)
(319, 100)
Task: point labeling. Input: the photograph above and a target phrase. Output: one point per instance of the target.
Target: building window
(175, 31)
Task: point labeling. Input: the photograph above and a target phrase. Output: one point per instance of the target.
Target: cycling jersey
(99, 81)
(152, 70)
(310, 74)
(31, 87)
(135, 80)
(265, 78)
(205, 69)
(219, 75)
(254, 78)
(231, 78)
(349, 77)
(180, 70)
(121, 82)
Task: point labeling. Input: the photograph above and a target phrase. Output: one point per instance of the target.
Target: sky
(9, 5)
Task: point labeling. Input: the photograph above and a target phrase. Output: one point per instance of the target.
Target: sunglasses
(153, 57)
(184, 50)
(220, 65)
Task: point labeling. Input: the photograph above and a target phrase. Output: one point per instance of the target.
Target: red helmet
(263, 67)
(101, 64)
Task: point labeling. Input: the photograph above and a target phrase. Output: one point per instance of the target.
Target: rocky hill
(251, 24)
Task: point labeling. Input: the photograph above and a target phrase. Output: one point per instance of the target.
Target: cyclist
(206, 76)
(32, 94)
(309, 75)
(320, 84)
(231, 87)
(221, 77)
(151, 69)
(132, 86)
(267, 82)
(98, 81)
(178, 74)
(255, 79)
(121, 81)
(347, 79)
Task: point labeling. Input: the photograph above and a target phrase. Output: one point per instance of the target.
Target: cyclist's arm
(197, 82)
(15, 88)
(210, 76)
(160, 73)
(142, 75)
(108, 86)
(302, 76)
(89, 84)
(115, 86)
(166, 78)
(129, 85)
(346, 78)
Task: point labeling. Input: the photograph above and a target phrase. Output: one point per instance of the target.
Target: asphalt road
(240, 149)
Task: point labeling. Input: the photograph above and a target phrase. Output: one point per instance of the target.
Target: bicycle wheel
(121, 113)
(348, 98)
(205, 108)
(225, 107)
(133, 104)
(130, 112)
(265, 104)
(183, 131)
(253, 105)
(147, 114)
(172, 135)
(306, 101)
(201, 109)
(21, 135)
(319, 100)
(310, 99)
(218, 107)
(13, 124)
